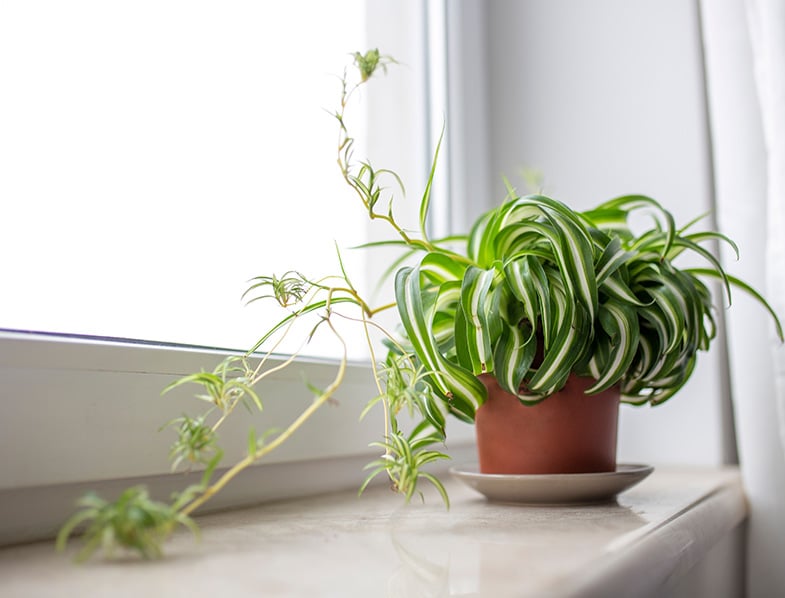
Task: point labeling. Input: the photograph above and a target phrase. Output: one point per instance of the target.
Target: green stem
(280, 439)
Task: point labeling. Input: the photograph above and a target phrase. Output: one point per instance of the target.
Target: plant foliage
(133, 521)
(581, 289)
(536, 291)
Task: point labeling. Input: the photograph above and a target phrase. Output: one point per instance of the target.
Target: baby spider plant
(136, 522)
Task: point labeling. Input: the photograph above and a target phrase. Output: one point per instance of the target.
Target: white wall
(606, 98)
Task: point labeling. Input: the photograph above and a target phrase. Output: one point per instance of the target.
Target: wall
(606, 98)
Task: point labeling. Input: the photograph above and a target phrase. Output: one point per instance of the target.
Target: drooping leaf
(513, 356)
(620, 323)
(474, 295)
(454, 382)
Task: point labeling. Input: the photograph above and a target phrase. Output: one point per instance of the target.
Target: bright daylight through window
(158, 154)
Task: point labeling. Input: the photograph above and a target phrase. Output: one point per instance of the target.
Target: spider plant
(534, 292)
(581, 289)
(137, 522)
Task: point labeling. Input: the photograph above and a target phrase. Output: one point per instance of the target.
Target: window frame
(85, 412)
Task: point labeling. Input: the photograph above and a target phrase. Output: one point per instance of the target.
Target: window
(159, 154)
(173, 146)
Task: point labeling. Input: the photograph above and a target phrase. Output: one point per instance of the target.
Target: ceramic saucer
(564, 488)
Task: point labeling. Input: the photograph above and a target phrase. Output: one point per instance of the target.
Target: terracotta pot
(569, 432)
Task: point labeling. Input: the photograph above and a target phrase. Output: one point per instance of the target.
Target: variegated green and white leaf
(523, 280)
(513, 356)
(611, 259)
(568, 346)
(617, 288)
(461, 388)
(635, 202)
(474, 298)
(620, 323)
(440, 268)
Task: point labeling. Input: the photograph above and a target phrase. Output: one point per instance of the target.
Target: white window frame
(85, 413)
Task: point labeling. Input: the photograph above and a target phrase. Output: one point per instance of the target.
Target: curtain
(766, 23)
(744, 48)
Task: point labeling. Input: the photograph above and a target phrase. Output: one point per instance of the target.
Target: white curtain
(744, 42)
(766, 20)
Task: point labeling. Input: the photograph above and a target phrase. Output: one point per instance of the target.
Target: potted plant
(536, 324)
(550, 317)
(539, 317)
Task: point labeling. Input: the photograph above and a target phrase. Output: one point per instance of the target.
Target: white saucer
(563, 488)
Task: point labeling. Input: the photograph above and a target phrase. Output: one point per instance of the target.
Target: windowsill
(342, 545)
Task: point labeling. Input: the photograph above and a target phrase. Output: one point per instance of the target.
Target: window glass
(157, 154)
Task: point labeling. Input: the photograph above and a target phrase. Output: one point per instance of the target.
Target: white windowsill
(341, 545)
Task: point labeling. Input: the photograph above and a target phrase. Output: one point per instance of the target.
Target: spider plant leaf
(443, 328)
(690, 289)
(433, 412)
(737, 282)
(211, 382)
(620, 322)
(211, 465)
(474, 295)
(93, 543)
(478, 237)
(572, 246)
(713, 236)
(511, 310)
(686, 243)
(344, 274)
(462, 340)
(438, 485)
(517, 209)
(497, 305)
(484, 238)
(69, 526)
(311, 307)
(379, 469)
(559, 308)
(673, 308)
(666, 393)
(609, 219)
(449, 296)
(634, 202)
(669, 367)
(513, 355)
(654, 242)
(441, 268)
(693, 222)
(645, 358)
(518, 238)
(567, 348)
(425, 203)
(189, 523)
(574, 262)
(91, 501)
(423, 458)
(248, 391)
(454, 382)
(615, 286)
(575, 250)
(611, 259)
(418, 439)
(529, 284)
(370, 405)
